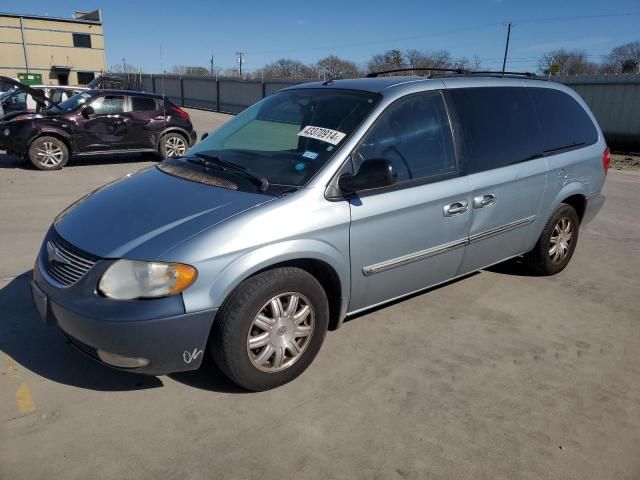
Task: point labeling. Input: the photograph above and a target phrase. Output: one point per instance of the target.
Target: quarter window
(565, 124)
(414, 135)
(81, 40)
(499, 126)
(107, 105)
(143, 104)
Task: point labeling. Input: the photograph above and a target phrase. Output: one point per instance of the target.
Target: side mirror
(204, 135)
(373, 173)
(88, 110)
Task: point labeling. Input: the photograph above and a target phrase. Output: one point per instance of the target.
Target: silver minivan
(316, 203)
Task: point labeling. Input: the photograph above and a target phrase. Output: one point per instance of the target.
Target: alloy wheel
(561, 239)
(280, 333)
(175, 146)
(49, 154)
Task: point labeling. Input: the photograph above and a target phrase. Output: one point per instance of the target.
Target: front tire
(557, 242)
(48, 153)
(270, 328)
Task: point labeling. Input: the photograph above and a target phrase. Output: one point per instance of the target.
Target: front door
(502, 151)
(413, 234)
(106, 128)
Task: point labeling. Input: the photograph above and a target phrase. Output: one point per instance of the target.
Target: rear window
(499, 126)
(143, 104)
(565, 124)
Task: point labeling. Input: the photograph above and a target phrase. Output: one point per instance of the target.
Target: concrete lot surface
(498, 376)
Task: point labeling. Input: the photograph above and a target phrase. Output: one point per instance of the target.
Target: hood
(145, 214)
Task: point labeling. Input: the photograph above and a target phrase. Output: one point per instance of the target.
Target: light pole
(124, 66)
(240, 56)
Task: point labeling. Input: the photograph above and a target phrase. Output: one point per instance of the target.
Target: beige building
(52, 51)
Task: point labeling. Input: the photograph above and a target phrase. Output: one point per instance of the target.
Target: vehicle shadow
(208, 377)
(515, 266)
(44, 350)
(11, 161)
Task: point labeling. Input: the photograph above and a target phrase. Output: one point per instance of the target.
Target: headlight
(128, 279)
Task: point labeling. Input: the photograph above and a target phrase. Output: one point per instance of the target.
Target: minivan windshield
(70, 104)
(287, 137)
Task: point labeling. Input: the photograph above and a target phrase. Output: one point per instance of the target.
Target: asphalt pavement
(500, 375)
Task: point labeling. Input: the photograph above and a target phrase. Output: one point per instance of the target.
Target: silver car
(316, 203)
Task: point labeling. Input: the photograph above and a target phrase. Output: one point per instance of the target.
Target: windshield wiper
(213, 161)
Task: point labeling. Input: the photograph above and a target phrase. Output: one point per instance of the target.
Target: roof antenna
(164, 108)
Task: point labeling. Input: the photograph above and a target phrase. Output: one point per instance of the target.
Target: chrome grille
(65, 263)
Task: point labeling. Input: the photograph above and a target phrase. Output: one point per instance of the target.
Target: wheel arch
(319, 259)
(168, 130)
(66, 139)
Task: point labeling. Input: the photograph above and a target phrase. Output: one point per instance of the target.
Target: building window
(85, 78)
(82, 40)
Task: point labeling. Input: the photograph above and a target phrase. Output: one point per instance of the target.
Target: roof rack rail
(425, 69)
(501, 73)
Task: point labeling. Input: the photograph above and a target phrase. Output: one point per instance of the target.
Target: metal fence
(228, 95)
(614, 99)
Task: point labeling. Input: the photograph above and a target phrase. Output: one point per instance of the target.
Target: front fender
(253, 261)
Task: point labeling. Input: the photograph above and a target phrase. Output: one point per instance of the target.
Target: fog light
(6, 132)
(121, 361)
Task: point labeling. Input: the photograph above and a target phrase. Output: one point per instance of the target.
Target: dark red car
(98, 122)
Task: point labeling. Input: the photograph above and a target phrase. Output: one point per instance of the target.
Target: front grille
(83, 347)
(65, 263)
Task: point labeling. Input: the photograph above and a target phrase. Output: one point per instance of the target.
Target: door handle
(484, 200)
(455, 208)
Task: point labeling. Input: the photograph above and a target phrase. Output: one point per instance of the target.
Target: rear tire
(173, 145)
(262, 337)
(48, 153)
(557, 242)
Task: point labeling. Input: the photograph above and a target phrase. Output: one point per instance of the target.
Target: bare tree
(624, 59)
(389, 60)
(565, 62)
(126, 68)
(190, 70)
(335, 67)
(287, 68)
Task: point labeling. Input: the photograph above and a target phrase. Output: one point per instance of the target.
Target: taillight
(606, 159)
(182, 113)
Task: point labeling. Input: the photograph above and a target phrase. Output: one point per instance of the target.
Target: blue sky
(189, 31)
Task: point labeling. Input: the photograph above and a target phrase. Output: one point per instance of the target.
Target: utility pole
(212, 64)
(240, 56)
(506, 47)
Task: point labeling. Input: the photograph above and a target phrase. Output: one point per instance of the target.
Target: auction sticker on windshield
(324, 134)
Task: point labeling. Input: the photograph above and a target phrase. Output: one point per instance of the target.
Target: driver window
(414, 135)
(108, 105)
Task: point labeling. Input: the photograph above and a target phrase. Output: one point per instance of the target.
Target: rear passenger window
(143, 104)
(499, 126)
(564, 122)
(414, 135)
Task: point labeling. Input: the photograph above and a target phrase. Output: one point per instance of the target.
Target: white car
(18, 99)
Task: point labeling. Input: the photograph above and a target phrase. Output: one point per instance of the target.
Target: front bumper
(158, 330)
(17, 139)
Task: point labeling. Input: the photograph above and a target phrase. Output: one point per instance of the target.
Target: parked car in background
(317, 203)
(97, 122)
(19, 100)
